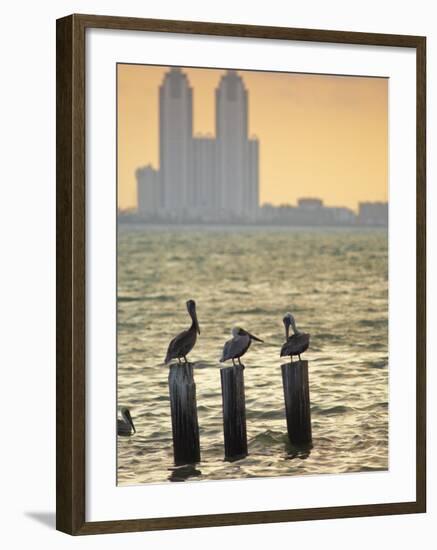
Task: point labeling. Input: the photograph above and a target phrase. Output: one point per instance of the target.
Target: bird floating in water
(184, 342)
(238, 345)
(295, 344)
(125, 424)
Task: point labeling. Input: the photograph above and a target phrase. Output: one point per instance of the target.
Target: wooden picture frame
(71, 254)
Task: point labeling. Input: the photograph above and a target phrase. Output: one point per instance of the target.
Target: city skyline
(355, 108)
(201, 178)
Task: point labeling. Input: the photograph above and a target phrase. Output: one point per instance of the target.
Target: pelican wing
(174, 346)
(181, 345)
(226, 354)
(236, 347)
(296, 344)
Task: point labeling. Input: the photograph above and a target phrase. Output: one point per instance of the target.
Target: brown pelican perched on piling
(186, 340)
(295, 344)
(125, 424)
(237, 346)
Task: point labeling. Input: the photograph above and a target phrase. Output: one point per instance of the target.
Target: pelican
(238, 345)
(295, 344)
(186, 340)
(125, 424)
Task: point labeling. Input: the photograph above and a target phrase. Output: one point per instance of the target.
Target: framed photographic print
(240, 274)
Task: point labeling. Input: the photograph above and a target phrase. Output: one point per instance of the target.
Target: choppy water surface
(333, 280)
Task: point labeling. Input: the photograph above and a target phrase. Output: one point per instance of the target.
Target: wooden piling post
(234, 412)
(297, 402)
(185, 426)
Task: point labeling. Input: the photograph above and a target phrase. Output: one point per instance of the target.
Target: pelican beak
(287, 323)
(196, 323)
(255, 338)
(191, 306)
(131, 421)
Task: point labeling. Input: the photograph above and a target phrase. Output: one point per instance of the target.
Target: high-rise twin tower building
(202, 178)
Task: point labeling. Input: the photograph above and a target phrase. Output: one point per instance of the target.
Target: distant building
(237, 156)
(149, 197)
(309, 212)
(373, 213)
(252, 189)
(203, 192)
(341, 215)
(309, 203)
(176, 132)
(202, 178)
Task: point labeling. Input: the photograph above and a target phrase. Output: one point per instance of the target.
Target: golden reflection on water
(335, 283)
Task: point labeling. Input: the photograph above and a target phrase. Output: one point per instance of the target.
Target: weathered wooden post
(297, 402)
(186, 446)
(234, 412)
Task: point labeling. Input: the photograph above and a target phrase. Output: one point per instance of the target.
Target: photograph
(252, 274)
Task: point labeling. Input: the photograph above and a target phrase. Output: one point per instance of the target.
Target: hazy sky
(320, 136)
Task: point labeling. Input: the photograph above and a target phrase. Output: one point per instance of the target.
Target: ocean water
(334, 281)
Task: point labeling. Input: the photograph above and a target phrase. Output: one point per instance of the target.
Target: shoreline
(246, 226)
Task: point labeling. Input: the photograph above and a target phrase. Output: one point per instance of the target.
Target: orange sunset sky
(320, 136)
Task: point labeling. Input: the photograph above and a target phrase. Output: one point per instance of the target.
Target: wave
(263, 415)
(381, 405)
(269, 437)
(337, 409)
(128, 299)
(373, 323)
(156, 298)
(252, 311)
(369, 469)
(378, 365)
